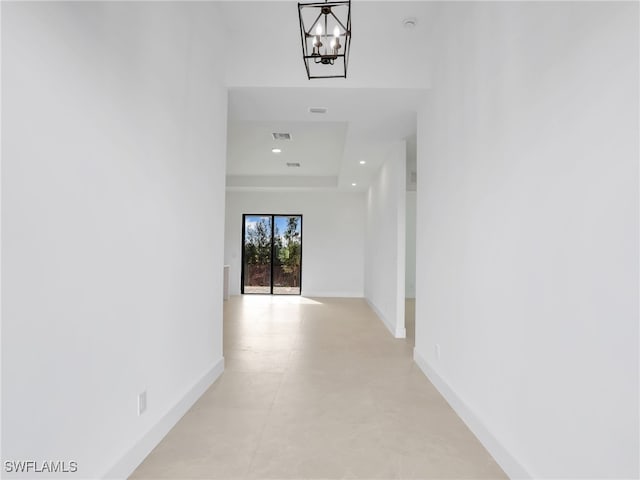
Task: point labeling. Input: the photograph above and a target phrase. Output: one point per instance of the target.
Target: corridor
(317, 388)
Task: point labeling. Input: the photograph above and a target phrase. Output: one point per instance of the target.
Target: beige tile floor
(317, 388)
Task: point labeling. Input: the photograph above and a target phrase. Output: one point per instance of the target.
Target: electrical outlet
(142, 402)
(438, 351)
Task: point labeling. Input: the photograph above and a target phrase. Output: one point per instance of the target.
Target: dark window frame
(273, 223)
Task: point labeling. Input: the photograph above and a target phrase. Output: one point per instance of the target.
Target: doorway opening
(271, 254)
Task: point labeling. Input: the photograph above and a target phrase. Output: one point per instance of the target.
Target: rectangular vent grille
(318, 109)
(293, 164)
(281, 136)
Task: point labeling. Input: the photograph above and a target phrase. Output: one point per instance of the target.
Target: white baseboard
(381, 316)
(126, 465)
(335, 294)
(507, 462)
(396, 331)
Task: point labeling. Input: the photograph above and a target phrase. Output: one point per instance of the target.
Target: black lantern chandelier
(325, 29)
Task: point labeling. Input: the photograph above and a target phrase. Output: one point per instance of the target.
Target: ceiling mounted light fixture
(325, 30)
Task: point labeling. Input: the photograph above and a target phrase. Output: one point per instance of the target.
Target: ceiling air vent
(281, 136)
(293, 164)
(318, 109)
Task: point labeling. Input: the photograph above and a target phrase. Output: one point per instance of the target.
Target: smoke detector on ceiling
(409, 22)
(281, 136)
(318, 109)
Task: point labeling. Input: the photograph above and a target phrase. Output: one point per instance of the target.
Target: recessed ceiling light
(362, 162)
(276, 150)
(353, 184)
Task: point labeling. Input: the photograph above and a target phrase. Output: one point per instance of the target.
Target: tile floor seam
(247, 474)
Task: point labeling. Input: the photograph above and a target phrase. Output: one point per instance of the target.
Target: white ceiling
(250, 144)
(269, 92)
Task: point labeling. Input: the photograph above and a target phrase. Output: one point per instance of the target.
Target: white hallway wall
(333, 226)
(113, 154)
(528, 232)
(410, 253)
(385, 246)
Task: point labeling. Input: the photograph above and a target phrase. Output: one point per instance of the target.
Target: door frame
(273, 223)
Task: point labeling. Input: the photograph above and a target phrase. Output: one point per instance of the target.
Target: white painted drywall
(333, 227)
(410, 252)
(113, 158)
(385, 245)
(528, 231)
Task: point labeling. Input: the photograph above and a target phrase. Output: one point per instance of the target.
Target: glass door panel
(257, 253)
(287, 254)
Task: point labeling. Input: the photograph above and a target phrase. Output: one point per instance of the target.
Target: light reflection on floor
(317, 388)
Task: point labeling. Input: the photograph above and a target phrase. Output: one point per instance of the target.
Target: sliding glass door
(272, 254)
(287, 254)
(256, 253)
